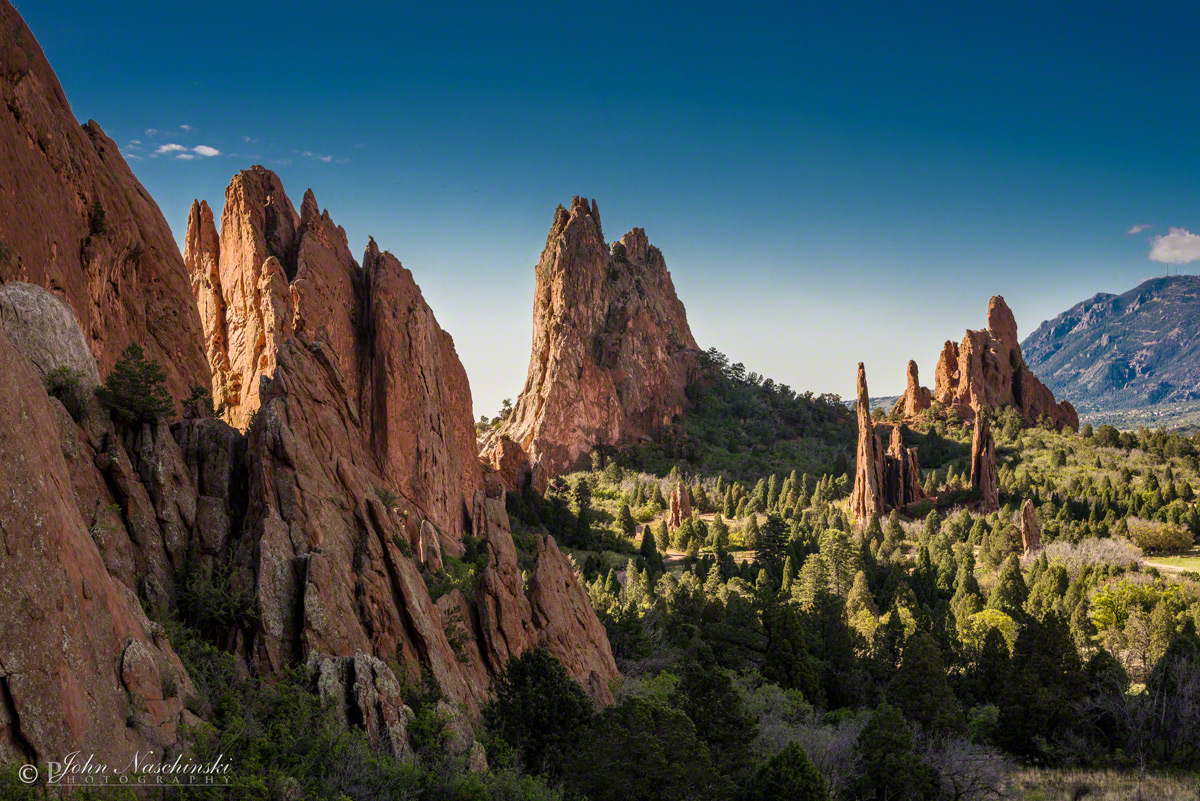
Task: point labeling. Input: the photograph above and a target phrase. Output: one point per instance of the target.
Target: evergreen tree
(861, 609)
(889, 769)
(135, 392)
(706, 694)
(1047, 682)
(921, 691)
(662, 536)
(625, 521)
(1009, 594)
(650, 555)
(788, 662)
(789, 575)
(790, 775)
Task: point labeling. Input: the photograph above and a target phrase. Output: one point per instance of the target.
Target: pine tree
(625, 521)
(921, 691)
(889, 769)
(728, 508)
(611, 585)
(135, 392)
(787, 661)
(662, 536)
(1009, 594)
(789, 575)
(791, 775)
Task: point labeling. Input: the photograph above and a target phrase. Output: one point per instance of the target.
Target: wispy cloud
(185, 153)
(1137, 229)
(206, 151)
(185, 128)
(151, 132)
(185, 156)
(170, 147)
(322, 157)
(1179, 246)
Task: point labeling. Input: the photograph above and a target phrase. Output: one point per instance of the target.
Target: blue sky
(828, 183)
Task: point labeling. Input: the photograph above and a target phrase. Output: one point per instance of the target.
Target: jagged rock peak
(883, 480)
(987, 371)
(916, 398)
(612, 350)
(75, 220)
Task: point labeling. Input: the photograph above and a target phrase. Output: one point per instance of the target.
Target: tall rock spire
(612, 351)
(883, 480)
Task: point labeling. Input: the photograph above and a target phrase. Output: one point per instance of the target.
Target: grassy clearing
(1034, 784)
(1185, 561)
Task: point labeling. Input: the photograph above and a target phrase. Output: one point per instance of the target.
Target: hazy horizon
(824, 191)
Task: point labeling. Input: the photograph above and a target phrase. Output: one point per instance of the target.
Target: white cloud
(1180, 246)
(151, 132)
(185, 156)
(1137, 229)
(205, 150)
(170, 147)
(317, 156)
(185, 127)
(135, 142)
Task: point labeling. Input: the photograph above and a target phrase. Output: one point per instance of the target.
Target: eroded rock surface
(984, 479)
(612, 350)
(987, 371)
(1031, 530)
(74, 219)
(883, 480)
(916, 398)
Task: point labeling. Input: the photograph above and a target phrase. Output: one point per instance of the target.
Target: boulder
(44, 330)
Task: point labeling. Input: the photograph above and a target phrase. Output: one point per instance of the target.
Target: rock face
(987, 371)
(80, 664)
(73, 219)
(916, 398)
(273, 274)
(612, 350)
(883, 480)
(984, 479)
(1031, 531)
(681, 506)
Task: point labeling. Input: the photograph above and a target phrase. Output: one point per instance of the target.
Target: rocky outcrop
(681, 506)
(883, 480)
(984, 479)
(79, 661)
(273, 274)
(987, 371)
(74, 220)
(1031, 530)
(512, 466)
(612, 350)
(915, 399)
(44, 331)
(565, 623)
(364, 691)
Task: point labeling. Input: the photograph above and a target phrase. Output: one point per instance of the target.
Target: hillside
(1115, 353)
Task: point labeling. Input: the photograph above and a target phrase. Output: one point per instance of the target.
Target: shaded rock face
(883, 480)
(272, 274)
(73, 219)
(916, 398)
(1031, 530)
(984, 479)
(681, 506)
(80, 664)
(612, 350)
(987, 371)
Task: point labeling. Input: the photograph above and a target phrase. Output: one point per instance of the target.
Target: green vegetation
(135, 392)
(67, 384)
(742, 425)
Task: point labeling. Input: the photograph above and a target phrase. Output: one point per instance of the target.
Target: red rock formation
(275, 274)
(73, 219)
(681, 506)
(612, 350)
(984, 479)
(882, 480)
(1031, 531)
(987, 371)
(80, 664)
(915, 399)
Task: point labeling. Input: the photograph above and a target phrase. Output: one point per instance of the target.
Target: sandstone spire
(983, 465)
(681, 506)
(75, 220)
(883, 480)
(612, 350)
(915, 399)
(987, 371)
(1031, 531)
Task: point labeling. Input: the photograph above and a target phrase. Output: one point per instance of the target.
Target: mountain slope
(1112, 352)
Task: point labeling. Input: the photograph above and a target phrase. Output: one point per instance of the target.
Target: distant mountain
(1119, 352)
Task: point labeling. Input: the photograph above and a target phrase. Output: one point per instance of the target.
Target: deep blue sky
(828, 184)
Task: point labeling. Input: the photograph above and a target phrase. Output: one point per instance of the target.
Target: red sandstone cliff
(612, 351)
(73, 219)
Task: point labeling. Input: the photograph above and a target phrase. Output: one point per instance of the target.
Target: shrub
(66, 384)
(1155, 537)
(97, 219)
(135, 392)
